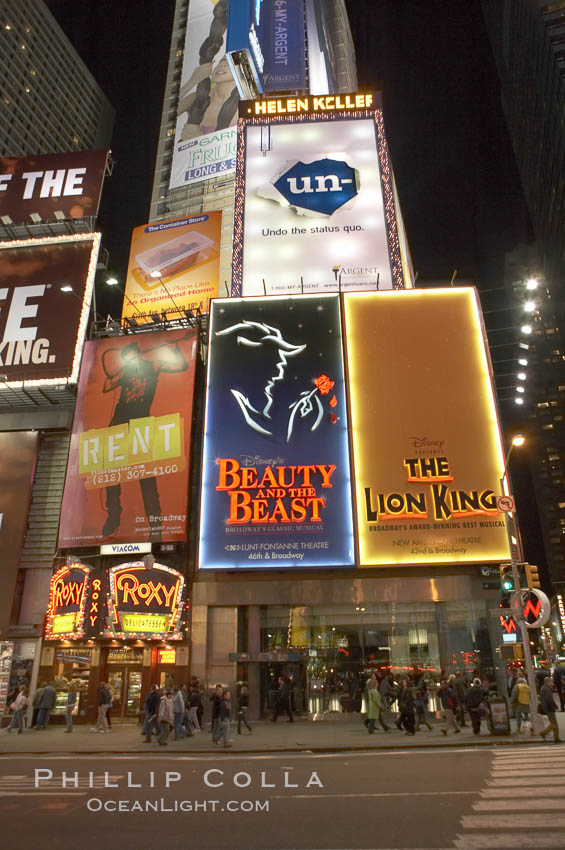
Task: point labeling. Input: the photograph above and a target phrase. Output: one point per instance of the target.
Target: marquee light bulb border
(391, 222)
(79, 630)
(115, 617)
(95, 238)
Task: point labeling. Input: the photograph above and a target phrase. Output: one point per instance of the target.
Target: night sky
(459, 189)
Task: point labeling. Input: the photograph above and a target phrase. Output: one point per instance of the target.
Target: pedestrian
(282, 704)
(104, 702)
(151, 707)
(374, 708)
(474, 703)
(19, 706)
(520, 701)
(166, 717)
(35, 704)
(46, 703)
(195, 707)
(448, 701)
(224, 712)
(460, 688)
(242, 707)
(71, 703)
(216, 699)
(178, 713)
(559, 682)
(548, 708)
(407, 709)
(421, 708)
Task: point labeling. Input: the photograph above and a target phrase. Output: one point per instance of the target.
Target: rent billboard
(127, 475)
(173, 265)
(51, 187)
(17, 465)
(314, 198)
(275, 477)
(205, 138)
(45, 291)
(426, 440)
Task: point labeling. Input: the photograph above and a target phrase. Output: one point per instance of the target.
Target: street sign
(506, 504)
(534, 606)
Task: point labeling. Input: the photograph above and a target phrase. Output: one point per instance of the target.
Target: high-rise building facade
(217, 193)
(528, 41)
(50, 102)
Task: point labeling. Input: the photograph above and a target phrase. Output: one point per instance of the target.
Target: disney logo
(425, 443)
(257, 460)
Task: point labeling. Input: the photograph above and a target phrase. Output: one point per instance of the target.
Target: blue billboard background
(282, 34)
(276, 482)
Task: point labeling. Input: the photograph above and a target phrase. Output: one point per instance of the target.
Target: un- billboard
(314, 198)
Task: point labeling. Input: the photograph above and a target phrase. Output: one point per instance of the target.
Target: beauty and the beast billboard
(276, 473)
(426, 438)
(127, 476)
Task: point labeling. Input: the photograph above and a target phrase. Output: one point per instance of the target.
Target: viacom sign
(310, 198)
(125, 548)
(45, 290)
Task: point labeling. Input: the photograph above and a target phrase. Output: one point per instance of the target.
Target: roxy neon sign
(137, 592)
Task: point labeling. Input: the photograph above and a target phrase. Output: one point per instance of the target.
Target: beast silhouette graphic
(259, 416)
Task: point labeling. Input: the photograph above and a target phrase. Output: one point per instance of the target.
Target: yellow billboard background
(173, 264)
(426, 439)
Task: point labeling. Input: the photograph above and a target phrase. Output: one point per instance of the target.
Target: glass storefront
(336, 647)
(72, 666)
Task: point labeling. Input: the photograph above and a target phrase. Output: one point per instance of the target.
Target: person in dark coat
(243, 705)
(474, 696)
(151, 707)
(548, 708)
(559, 682)
(282, 705)
(407, 708)
(216, 698)
(46, 703)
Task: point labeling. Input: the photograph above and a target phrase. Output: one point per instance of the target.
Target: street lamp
(113, 281)
(516, 557)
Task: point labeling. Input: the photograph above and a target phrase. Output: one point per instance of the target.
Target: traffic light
(532, 576)
(506, 583)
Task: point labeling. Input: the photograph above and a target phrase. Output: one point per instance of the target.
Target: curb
(281, 751)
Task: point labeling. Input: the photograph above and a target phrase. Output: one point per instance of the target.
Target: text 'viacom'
(45, 291)
(276, 472)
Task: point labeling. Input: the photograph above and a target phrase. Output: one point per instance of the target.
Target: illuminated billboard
(69, 596)
(266, 45)
(173, 265)
(145, 602)
(315, 208)
(426, 440)
(45, 291)
(51, 187)
(205, 140)
(127, 475)
(276, 476)
(17, 465)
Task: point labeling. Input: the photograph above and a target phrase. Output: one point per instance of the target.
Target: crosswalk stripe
(504, 840)
(513, 821)
(533, 771)
(517, 781)
(530, 791)
(549, 804)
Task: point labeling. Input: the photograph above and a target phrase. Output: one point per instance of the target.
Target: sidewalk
(328, 735)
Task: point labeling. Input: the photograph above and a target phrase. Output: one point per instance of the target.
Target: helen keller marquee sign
(45, 291)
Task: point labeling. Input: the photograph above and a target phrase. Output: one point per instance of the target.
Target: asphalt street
(457, 798)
